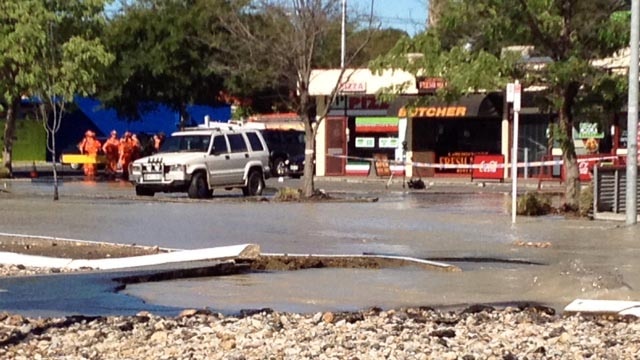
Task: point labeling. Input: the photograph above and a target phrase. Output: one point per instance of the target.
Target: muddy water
(575, 269)
(586, 259)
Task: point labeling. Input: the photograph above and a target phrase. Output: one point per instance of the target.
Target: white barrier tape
(489, 166)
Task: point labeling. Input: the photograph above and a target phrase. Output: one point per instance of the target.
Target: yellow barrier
(82, 159)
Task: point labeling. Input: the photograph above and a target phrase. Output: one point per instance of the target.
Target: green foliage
(20, 37)
(241, 112)
(43, 41)
(533, 204)
(585, 207)
(465, 71)
(167, 51)
(49, 50)
(374, 43)
(616, 30)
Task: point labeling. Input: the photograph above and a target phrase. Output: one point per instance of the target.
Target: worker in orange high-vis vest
(111, 149)
(127, 152)
(137, 147)
(90, 146)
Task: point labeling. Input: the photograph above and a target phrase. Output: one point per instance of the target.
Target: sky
(407, 15)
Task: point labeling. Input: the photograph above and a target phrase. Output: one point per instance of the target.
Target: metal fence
(609, 189)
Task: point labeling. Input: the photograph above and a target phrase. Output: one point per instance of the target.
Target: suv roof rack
(219, 126)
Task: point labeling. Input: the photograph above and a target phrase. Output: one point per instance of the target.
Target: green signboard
(589, 131)
(388, 142)
(365, 142)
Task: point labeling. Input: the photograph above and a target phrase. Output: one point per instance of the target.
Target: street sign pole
(516, 99)
(632, 120)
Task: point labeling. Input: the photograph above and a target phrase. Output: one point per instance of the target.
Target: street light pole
(343, 35)
(632, 119)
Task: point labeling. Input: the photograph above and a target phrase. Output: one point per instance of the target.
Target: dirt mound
(301, 262)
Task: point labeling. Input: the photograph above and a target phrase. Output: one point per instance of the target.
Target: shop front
(451, 133)
(357, 128)
(364, 132)
(431, 137)
(416, 129)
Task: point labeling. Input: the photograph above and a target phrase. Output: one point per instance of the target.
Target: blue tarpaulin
(161, 119)
(90, 115)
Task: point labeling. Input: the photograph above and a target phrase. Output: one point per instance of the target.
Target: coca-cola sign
(491, 167)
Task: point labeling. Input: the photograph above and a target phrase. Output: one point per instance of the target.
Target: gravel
(414, 333)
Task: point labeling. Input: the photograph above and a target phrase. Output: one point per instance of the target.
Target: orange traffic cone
(34, 171)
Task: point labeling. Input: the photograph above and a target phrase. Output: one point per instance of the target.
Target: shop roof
(359, 81)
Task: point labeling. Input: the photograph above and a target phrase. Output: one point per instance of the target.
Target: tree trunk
(52, 132)
(308, 187)
(56, 192)
(572, 173)
(9, 135)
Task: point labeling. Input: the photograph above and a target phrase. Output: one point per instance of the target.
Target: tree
(435, 11)
(280, 42)
(19, 37)
(65, 58)
(377, 43)
(470, 36)
(50, 52)
(161, 57)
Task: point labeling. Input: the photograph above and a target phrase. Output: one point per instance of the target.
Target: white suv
(200, 159)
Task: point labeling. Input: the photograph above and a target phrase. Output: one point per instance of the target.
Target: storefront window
(370, 137)
(456, 141)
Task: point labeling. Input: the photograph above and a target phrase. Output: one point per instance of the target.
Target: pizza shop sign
(352, 87)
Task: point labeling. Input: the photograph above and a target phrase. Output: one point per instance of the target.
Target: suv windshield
(186, 143)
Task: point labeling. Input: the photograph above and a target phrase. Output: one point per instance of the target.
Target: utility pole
(632, 119)
(343, 35)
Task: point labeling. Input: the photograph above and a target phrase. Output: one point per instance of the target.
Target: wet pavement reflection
(469, 226)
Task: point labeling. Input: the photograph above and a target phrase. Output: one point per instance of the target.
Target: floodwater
(469, 228)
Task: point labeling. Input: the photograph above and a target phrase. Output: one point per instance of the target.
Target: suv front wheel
(198, 189)
(255, 184)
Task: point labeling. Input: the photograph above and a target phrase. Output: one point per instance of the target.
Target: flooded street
(466, 226)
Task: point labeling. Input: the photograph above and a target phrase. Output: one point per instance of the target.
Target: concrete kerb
(218, 253)
(603, 307)
(439, 182)
(174, 256)
(247, 251)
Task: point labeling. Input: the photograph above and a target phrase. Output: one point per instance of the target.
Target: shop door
(336, 146)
